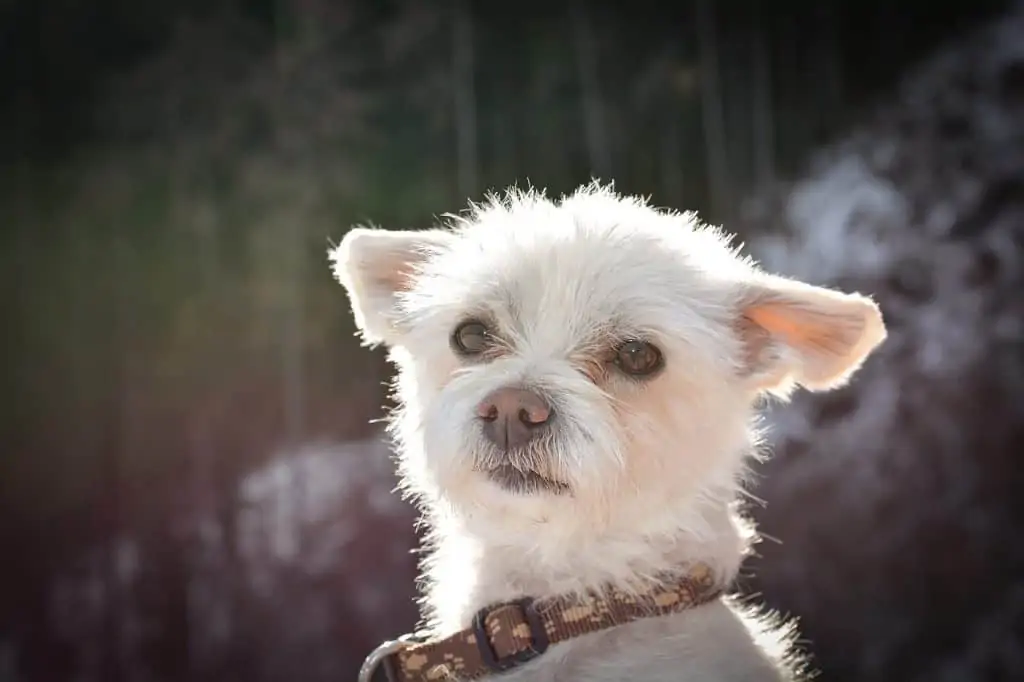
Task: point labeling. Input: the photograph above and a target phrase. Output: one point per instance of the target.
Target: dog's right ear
(375, 266)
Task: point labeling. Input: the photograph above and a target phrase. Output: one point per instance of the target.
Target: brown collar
(504, 636)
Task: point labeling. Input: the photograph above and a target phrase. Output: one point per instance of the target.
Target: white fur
(656, 467)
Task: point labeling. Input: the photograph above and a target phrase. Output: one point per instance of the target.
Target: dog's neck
(471, 565)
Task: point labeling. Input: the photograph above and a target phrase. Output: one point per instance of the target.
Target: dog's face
(570, 355)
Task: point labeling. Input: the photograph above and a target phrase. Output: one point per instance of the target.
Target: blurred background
(191, 485)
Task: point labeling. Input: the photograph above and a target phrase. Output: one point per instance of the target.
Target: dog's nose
(513, 416)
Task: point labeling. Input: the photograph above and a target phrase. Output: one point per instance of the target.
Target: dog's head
(583, 351)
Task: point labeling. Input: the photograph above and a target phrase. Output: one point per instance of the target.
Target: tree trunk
(464, 90)
(763, 101)
(670, 152)
(293, 251)
(293, 367)
(111, 631)
(712, 110)
(595, 123)
(831, 68)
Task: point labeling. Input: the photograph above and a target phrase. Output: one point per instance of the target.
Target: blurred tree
(464, 89)
(762, 109)
(593, 108)
(717, 151)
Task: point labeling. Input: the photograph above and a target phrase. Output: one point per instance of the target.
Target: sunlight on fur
(647, 339)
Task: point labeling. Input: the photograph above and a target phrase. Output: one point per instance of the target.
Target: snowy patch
(319, 538)
(892, 497)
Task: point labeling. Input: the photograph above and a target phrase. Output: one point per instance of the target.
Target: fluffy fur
(655, 466)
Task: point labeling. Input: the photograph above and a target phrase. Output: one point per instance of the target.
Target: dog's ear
(796, 333)
(376, 266)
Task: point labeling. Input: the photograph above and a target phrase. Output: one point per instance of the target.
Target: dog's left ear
(796, 333)
(376, 266)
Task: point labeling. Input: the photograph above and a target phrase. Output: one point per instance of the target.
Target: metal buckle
(538, 636)
(381, 656)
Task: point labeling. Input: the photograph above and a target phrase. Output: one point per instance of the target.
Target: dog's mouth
(524, 481)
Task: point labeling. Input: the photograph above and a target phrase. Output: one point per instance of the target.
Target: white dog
(577, 382)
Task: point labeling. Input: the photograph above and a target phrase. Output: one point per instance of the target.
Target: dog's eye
(471, 338)
(638, 358)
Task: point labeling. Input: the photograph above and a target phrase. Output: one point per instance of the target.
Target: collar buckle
(538, 636)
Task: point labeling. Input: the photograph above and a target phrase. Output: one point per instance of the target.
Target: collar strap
(504, 636)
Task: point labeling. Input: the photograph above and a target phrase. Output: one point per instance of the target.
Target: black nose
(512, 417)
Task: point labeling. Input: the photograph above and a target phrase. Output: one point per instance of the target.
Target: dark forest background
(191, 487)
